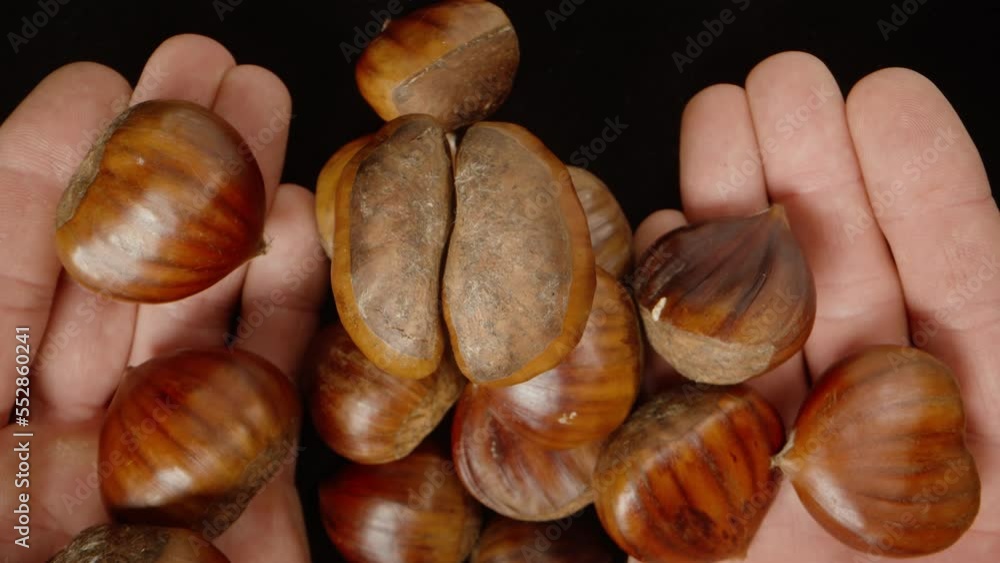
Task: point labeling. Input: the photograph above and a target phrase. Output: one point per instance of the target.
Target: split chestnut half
(455, 60)
(497, 239)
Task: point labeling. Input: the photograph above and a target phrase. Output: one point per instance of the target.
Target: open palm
(81, 342)
(890, 200)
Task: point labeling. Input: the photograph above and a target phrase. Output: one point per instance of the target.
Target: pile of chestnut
(485, 289)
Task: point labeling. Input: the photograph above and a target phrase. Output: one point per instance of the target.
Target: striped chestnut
(366, 414)
(878, 454)
(143, 544)
(168, 201)
(689, 476)
(412, 510)
(610, 231)
(455, 60)
(512, 475)
(192, 436)
(729, 299)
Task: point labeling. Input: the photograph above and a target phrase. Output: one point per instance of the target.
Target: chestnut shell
(168, 202)
(192, 436)
(878, 455)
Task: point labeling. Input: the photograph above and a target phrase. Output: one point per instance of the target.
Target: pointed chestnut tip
(782, 460)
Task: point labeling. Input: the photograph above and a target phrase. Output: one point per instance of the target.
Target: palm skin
(877, 282)
(81, 343)
(889, 198)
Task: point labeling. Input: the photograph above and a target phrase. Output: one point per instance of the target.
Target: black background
(607, 59)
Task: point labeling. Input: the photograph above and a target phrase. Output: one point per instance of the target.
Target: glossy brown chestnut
(394, 213)
(514, 476)
(610, 231)
(589, 394)
(727, 300)
(578, 538)
(689, 476)
(166, 203)
(326, 190)
(192, 436)
(878, 454)
(519, 277)
(112, 543)
(366, 414)
(412, 510)
(455, 60)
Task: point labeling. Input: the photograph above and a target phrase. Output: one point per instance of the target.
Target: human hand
(891, 203)
(81, 342)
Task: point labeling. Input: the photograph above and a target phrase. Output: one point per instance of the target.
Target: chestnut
(729, 299)
(145, 544)
(193, 435)
(366, 414)
(610, 231)
(168, 201)
(519, 278)
(878, 454)
(513, 476)
(578, 538)
(412, 510)
(393, 216)
(689, 476)
(326, 190)
(591, 392)
(455, 60)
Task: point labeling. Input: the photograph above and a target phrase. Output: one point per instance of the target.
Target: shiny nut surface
(167, 203)
(878, 455)
(193, 435)
(689, 476)
(727, 300)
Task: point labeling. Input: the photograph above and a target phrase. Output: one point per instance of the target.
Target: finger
(248, 97)
(272, 528)
(85, 337)
(285, 288)
(41, 145)
(935, 208)
(797, 108)
(721, 173)
(184, 67)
